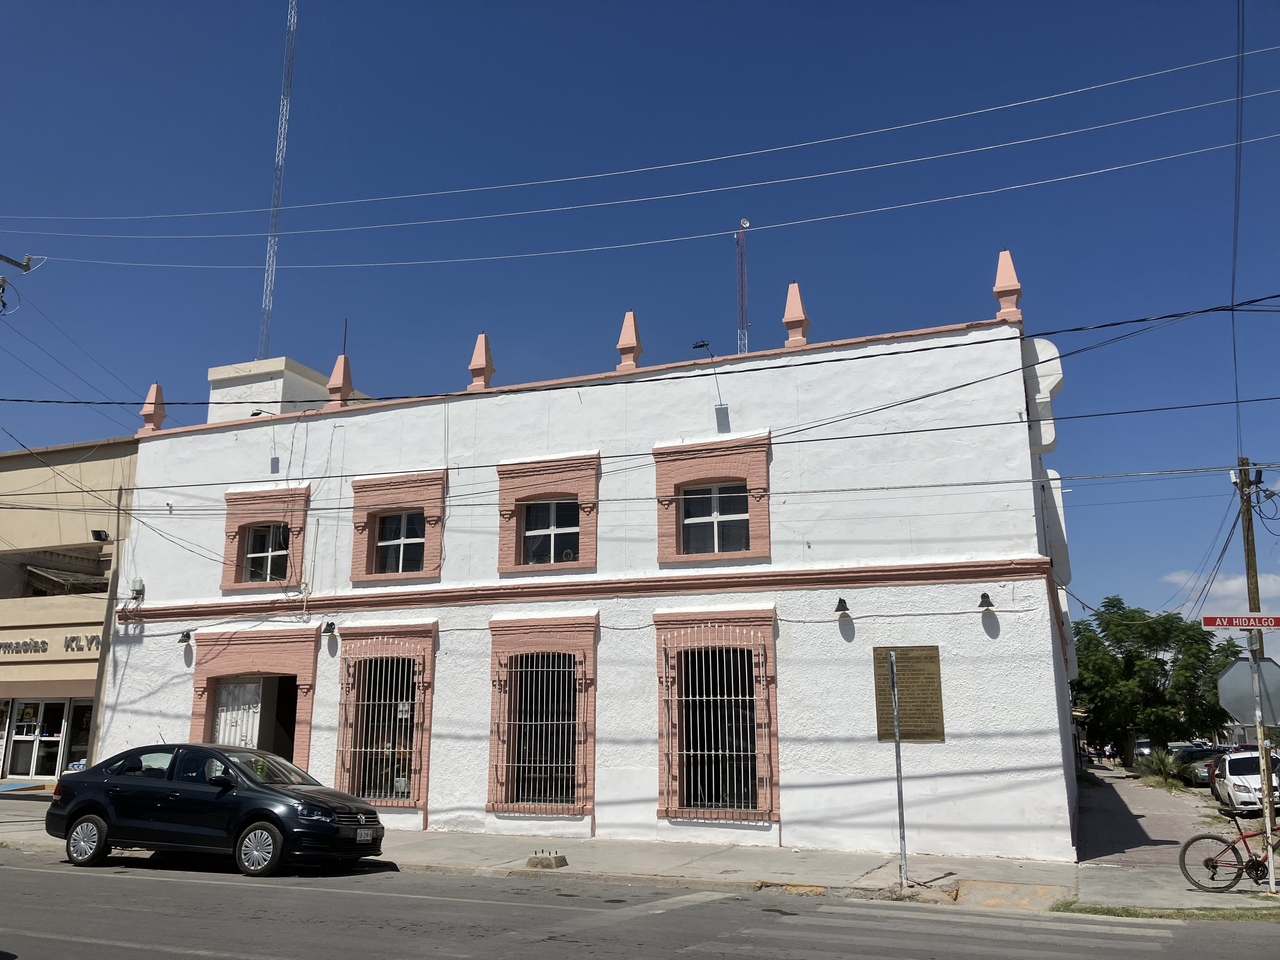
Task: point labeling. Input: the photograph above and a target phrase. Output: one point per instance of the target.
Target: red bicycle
(1215, 863)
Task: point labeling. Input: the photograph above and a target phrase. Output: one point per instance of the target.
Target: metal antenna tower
(741, 243)
(277, 187)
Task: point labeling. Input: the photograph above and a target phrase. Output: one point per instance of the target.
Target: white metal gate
(239, 712)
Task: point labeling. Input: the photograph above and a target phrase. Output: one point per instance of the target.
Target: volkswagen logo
(360, 817)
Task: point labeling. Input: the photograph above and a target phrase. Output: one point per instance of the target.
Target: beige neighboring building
(58, 529)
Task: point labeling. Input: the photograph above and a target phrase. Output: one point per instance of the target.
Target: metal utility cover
(1235, 691)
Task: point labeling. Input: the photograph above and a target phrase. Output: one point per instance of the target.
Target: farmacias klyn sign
(72, 643)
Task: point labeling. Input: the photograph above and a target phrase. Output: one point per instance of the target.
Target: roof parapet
(153, 412)
(629, 343)
(1008, 290)
(481, 365)
(340, 388)
(795, 320)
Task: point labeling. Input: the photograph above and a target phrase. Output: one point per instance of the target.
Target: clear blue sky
(161, 108)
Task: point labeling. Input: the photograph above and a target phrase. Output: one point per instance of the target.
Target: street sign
(1241, 621)
(1235, 691)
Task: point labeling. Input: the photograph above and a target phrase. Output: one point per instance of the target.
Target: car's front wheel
(87, 841)
(259, 849)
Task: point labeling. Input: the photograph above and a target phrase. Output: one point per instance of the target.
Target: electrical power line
(599, 204)
(635, 244)
(663, 166)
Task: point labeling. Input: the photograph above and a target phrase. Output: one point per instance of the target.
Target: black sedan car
(209, 799)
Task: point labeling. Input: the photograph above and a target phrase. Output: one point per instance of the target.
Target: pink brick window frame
(247, 509)
(752, 629)
(412, 640)
(568, 478)
(266, 653)
(574, 635)
(399, 494)
(678, 468)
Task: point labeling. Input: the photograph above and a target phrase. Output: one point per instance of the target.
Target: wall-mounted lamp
(984, 603)
(184, 636)
(841, 606)
(101, 536)
(328, 629)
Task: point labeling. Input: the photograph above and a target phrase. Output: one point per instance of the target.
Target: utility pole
(1246, 480)
(104, 642)
(24, 265)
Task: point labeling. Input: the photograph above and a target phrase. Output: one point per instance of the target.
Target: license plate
(364, 835)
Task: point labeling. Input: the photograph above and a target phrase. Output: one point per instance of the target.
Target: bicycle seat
(1240, 814)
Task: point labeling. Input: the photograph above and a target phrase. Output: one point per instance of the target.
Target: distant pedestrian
(1107, 752)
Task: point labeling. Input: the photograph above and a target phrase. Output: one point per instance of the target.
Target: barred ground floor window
(718, 739)
(385, 713)
(542, 731)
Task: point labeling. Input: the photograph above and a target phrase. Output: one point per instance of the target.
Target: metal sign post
(897, 762)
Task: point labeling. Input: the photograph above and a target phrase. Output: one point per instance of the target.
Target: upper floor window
(401, 542)
(547, 514)
(265, 534)
(713, 499)
(399, 527)
(715, 519)
(551, 531)
(266, 555)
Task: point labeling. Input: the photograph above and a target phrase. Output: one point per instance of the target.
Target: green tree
(1155, 675)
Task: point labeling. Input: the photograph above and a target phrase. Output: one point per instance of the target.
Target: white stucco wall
(872, 495)
(997, 777)
(870, 484)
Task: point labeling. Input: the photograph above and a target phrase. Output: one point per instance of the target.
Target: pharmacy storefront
(47, 677)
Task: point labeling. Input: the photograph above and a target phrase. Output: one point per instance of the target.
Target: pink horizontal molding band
(683, 582)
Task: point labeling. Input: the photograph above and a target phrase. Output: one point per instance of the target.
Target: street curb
(583, 876)
(686, 883)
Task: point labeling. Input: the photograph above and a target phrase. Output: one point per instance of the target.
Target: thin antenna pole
(344, 336)
(742, 285)
(277, 186)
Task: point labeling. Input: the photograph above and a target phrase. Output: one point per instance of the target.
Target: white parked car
(1238, 781)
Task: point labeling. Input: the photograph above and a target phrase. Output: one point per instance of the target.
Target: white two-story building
(654, 602)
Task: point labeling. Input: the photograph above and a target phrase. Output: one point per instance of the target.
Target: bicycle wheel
(1211, 862)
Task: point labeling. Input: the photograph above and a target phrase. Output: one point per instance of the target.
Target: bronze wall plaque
(919, 694)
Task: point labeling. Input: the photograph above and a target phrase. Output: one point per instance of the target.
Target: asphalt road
(138, 906)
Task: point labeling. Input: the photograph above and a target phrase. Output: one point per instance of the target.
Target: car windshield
(266, 768)
(1247, 766)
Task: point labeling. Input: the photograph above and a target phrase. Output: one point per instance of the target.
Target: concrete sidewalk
(1130, 837)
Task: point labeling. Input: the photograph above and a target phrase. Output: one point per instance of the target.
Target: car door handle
(113, 790)
(174, 794)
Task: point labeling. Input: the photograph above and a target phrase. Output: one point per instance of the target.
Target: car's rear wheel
(259, 849)
(87, 841)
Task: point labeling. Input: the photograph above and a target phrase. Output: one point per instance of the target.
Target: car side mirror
(223, 782)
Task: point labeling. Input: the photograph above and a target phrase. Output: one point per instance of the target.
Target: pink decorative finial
(795, 320)
(481, 364)
(153, 414)
(1008, 290)
(629, 342)
(340, 384)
